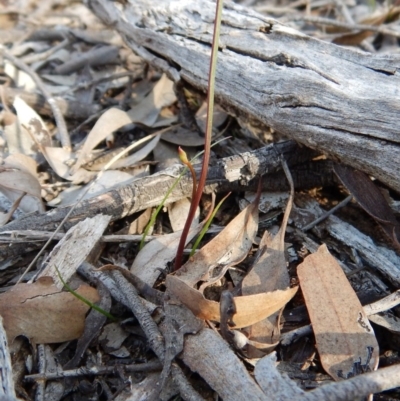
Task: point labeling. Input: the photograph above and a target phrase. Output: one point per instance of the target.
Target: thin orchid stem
(206, 159)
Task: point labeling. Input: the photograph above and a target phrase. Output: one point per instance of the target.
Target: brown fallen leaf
(345, 339)
(269, 273)
(229, 247)
(250, 309)
(42, 313)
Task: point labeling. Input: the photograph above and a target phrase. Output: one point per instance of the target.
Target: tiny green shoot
(207, 225)
(83, 299)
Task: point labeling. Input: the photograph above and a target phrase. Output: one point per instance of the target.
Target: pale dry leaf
(42, 313)
(21, 79)
(29, 119)
(250, 309)
(17, 137)
(139, 224)
(21, 162)
(219, 116)
(188, 137)
(345, 339)
(110, 179)
(148, 110)
(18, 176)
(229, 247)
(112, 120)
(59, 160)
(178, 212)
(65, 81)
(157, 253)
(5, 217)
(138, 155)
(183, 136)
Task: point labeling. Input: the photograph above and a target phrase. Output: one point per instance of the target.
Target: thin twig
(96, 370)
(327, 214)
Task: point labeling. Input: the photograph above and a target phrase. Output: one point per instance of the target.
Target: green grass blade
(83, 299)
(207, 225)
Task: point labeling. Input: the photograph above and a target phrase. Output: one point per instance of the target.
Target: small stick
(96, 370)
(327, 214)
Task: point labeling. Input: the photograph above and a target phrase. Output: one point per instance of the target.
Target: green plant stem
(205, 228)
(208, 135)
(83, 299)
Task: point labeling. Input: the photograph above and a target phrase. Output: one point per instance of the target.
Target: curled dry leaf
(345, 339)
(157, 253)
(250, 309)
(42, 313)
(18, 176)
(17, 137)
(269, 273)
(57, 158)
(229, 247)
(29, 119)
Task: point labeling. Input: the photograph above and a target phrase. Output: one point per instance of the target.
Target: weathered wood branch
(231, 173)
(340, 101)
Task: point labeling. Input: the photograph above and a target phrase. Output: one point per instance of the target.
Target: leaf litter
(254, 315)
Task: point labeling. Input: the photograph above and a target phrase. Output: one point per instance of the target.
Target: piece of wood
(7, 391)
(340, 101)
(230, 173)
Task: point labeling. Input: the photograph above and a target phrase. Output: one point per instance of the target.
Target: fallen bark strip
(340, 101)
(230, 173)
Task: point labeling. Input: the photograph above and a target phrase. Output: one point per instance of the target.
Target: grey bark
(341, 101)
(230, 173)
